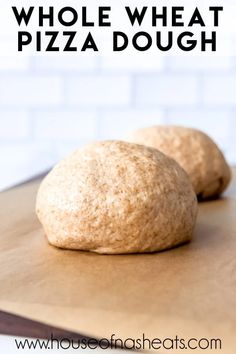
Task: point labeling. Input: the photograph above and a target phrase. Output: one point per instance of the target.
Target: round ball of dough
(195, 151)
(115, 197)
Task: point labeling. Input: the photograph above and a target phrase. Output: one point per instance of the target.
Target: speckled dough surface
(116, 197)
(194, 151)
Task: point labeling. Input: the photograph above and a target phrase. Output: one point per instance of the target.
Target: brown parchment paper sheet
(189, 291)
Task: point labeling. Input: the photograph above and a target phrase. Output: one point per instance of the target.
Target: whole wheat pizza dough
(195, 151)
(115, 197)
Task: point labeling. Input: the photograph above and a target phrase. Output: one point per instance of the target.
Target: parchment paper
(188, 291)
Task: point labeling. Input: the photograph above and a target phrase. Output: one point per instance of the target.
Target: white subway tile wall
(17, 90)
(49, 106)
(166, 90)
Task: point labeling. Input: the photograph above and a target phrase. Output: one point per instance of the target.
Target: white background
(52, 105)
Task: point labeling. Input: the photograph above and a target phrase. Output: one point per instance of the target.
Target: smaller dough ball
(115, 197)
(195, 151)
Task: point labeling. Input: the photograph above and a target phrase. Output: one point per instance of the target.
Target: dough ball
(116, 197)
(196, 152)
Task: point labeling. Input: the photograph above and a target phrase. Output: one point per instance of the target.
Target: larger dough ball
(117, 197)
(194, 151)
